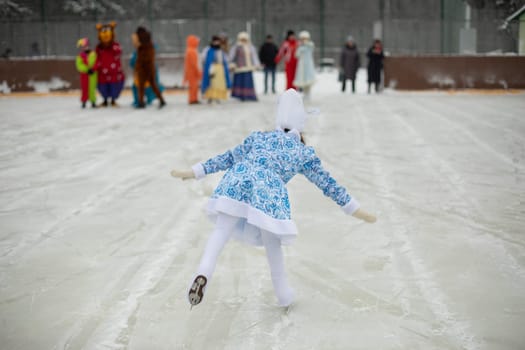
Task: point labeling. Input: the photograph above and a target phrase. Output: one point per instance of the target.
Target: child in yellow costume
(216, 77)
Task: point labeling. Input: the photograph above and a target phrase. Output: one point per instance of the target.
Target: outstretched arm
(314, 171)
(212, 165)
(220, 162)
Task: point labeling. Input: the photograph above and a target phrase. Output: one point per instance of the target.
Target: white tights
(222, 233)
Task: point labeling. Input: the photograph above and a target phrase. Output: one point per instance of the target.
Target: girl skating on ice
(251, 201)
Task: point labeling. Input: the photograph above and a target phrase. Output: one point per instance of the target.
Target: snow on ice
(46, 86)
(98, 243)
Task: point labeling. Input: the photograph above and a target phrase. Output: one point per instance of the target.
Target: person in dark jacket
(375, 64)
(145, 67)
(267, 54)
(349, 63)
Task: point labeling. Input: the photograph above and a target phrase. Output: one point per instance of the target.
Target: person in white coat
(305, 71)
(251, 201)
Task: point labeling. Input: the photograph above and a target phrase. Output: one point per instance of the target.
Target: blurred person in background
(215, 76)
(145, 67)
(192, 69)
(287, 52)
(86, 63)
(109, 66)
(267, 54)
(243, 60)
(305, 73)
(149, 94)
(375, 65)
(349, 63)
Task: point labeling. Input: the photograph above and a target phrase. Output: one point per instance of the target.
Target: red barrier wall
(401, 72)
(20, 74)
(454, 72)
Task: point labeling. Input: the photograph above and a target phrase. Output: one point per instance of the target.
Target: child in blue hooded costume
(251, 201)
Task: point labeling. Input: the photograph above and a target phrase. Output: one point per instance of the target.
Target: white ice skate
(196, 292)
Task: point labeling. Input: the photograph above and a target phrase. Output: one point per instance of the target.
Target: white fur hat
(290, 111)
(243, 36)
(304, 35)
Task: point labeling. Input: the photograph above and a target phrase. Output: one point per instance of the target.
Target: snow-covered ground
(98, 243)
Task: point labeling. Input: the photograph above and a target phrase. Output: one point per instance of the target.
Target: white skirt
(248, 230)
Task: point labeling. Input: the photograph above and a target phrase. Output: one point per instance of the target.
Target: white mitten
(363, 215)
(183, 174)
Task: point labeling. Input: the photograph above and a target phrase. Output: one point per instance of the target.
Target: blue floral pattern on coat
(258, 169)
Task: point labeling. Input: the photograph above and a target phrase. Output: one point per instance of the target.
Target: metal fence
(51, 28)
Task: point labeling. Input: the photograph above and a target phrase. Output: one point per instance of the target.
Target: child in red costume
(287, 51)
(192, 71)
(110, 73)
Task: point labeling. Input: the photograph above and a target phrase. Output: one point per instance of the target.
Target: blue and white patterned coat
(254, 185)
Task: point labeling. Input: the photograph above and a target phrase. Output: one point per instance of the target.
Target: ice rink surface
(98, 243)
